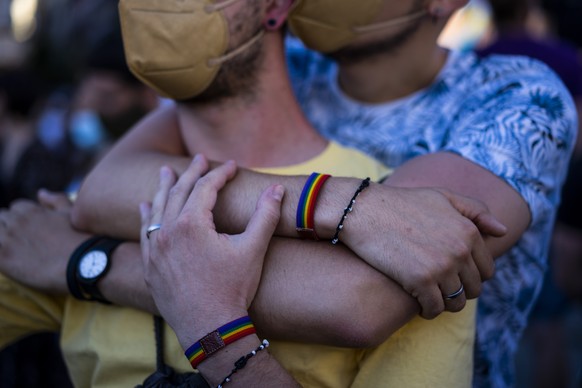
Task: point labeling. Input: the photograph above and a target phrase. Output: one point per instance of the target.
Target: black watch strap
(73, 264)
(89, 287)
(81, 288)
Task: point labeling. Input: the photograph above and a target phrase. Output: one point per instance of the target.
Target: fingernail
(165, 173)
(277, 192)
(197, 158)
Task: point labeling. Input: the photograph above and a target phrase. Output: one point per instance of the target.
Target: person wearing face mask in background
(485, 185)
(500, 130)
(235, 116)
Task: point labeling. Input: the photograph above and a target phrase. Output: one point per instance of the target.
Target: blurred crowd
(551, 354)
(66, 95)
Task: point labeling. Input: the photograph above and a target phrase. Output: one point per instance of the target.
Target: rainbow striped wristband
(305, 225)
(218, 339)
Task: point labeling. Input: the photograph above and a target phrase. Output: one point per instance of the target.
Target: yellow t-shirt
(112, 346)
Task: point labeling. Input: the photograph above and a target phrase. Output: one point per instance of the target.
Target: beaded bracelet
(242, 362)
(218, 339)
(306, 207)
(365, 183)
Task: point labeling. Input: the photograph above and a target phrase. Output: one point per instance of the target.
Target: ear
(445, 8)
(277, 13)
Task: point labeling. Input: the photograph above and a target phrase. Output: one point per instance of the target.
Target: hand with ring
(200, 278)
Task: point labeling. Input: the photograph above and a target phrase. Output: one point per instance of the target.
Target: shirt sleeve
(24, 311)
(522, 129)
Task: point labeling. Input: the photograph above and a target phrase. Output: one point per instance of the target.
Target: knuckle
(174, 191)
(461, 251)
(205, 181)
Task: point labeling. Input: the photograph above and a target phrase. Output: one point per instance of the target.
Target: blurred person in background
(20, 99)
(61, 108)
(36, 360)
(523, 27)
(426, 102)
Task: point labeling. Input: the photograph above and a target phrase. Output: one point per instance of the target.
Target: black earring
(272, 23)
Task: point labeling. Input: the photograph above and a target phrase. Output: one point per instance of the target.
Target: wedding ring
(152, 228)
(455, 294)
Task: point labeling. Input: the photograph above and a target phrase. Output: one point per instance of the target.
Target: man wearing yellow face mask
(459, 374)
(500, 130)
(244, 111)
(395, 94)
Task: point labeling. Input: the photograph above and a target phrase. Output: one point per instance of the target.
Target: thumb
(266, 217)
(478, 212)
(52, 200)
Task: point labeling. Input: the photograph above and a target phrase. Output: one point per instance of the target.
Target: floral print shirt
(510, 115)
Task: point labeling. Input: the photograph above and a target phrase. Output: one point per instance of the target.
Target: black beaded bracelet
(365, 183)
(242, 362)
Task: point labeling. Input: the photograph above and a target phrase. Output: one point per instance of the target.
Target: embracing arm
(108, 204)
(462, 176)
(356, 306)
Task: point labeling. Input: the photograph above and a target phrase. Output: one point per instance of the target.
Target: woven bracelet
(218, 339)
(305, 225)
(242, 362)
(365, 183)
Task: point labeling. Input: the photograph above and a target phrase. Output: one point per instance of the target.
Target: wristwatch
(88, 264)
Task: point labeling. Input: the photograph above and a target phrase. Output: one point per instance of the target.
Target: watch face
(93, 264)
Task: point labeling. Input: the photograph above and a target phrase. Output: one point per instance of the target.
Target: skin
(428, 251)
(439, 263)
(189, 254)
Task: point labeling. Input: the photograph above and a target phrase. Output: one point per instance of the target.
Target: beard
(238, 76)
(358, 53)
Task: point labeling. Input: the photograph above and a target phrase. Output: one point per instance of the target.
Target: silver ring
(152, 228)
(455, 294)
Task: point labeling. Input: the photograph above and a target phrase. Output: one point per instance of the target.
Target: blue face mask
(86, 130)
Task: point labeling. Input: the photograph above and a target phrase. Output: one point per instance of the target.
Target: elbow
(366, 331)
(379, 309)
(80, 217)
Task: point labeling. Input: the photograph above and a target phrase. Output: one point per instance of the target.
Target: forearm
(309, 292)
(108, 203)
(261, 370)
(317, 292)
(464, 177)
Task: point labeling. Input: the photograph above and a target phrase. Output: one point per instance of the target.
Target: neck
(266, 129)
(411, 67)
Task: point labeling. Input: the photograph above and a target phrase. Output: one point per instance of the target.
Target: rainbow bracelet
(218, 339)
(306, 207)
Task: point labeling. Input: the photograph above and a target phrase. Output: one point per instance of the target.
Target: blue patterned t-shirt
(512, 116)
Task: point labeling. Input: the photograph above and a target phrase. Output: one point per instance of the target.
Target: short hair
(509, 11)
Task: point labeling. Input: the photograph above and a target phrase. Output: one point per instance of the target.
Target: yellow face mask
(329, 25)
(176, 46)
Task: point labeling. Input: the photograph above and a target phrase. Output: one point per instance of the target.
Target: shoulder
(500, 85)
(500, 70)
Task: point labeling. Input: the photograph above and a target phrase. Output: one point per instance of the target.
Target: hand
(36, 240)
(427, 240)
(200, 278)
